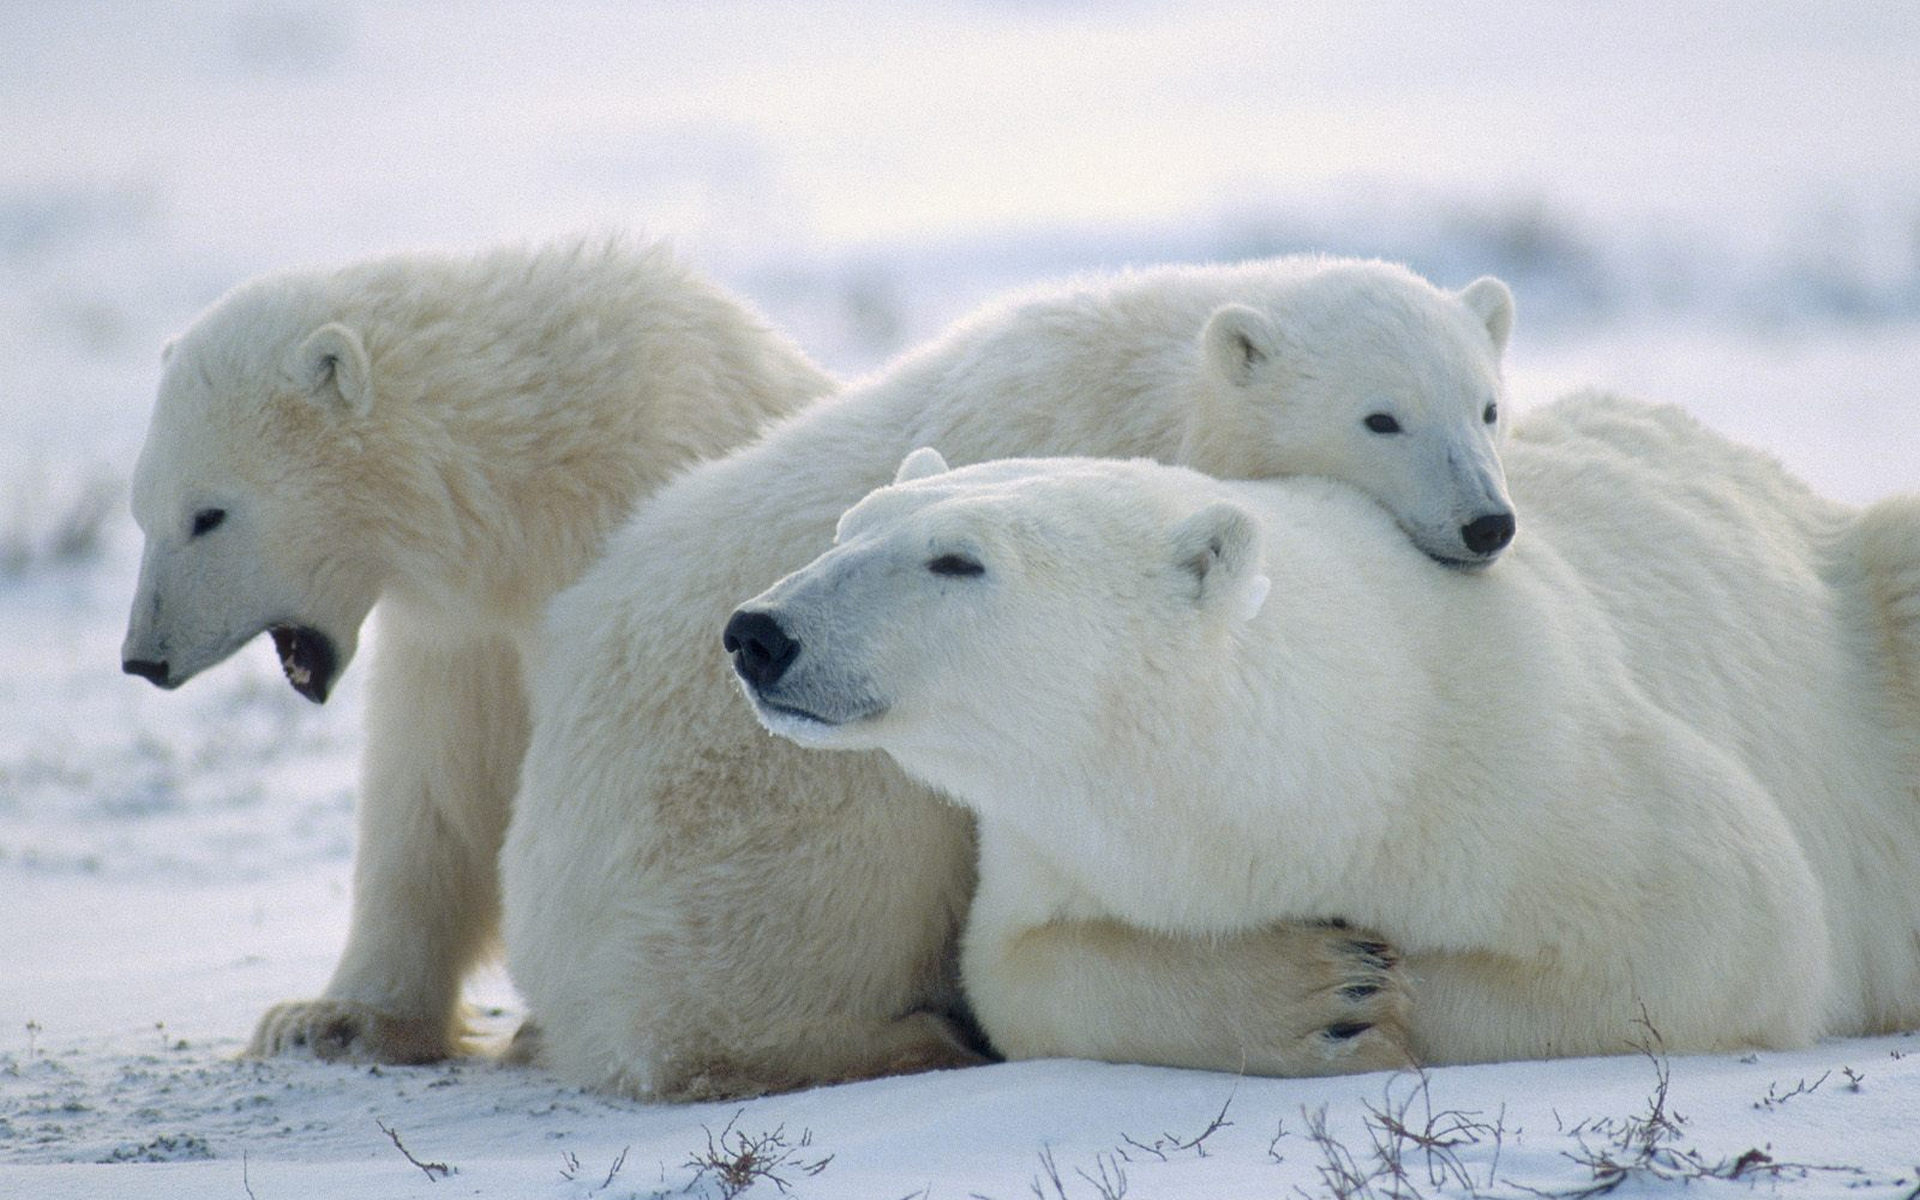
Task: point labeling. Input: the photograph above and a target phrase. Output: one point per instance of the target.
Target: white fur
(448, 439)
(1650, 764)
(1308, 376)
(694, 908)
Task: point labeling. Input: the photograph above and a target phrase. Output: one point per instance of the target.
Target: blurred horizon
(1676, 193)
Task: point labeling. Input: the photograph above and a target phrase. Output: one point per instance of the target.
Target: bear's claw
(1377, 955)
(1369, 1027)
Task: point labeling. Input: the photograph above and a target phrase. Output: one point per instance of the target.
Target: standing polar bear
(1651, 765)
(695, 909)
(448, 439)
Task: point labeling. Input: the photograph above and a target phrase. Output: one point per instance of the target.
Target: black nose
(153, 672)
(761, 650)
(1489, 533)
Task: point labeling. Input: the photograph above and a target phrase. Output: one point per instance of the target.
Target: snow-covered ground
(1715, 203)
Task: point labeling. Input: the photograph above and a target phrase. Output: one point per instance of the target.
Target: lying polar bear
(695, 910)
(1654, 763)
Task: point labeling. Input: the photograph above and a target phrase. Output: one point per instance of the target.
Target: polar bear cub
(445, 439)
(1647, 764)
(1418, 427)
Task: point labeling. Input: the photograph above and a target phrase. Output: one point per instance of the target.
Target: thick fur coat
(446, 441)
(1659, 763)
(696, 909)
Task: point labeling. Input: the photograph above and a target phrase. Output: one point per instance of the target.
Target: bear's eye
(1492, 414)
(955, 564)
(207, 520)
(1382, 423)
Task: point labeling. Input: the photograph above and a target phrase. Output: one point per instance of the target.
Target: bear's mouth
(1468, 565)
(789, 712)
(804, 725)
(308, 658)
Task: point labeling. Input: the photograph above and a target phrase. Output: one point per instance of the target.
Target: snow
(1716, 204)
(128, 1088)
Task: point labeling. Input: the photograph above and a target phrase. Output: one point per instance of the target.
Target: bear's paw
(349, 1031)
(1355, 1010)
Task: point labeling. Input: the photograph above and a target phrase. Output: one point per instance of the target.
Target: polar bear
(693, 909)
(1647, 766)
(448, 440)
(1890, 538)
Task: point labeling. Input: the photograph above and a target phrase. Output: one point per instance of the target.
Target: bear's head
(1365, 373)
(256, 490)
(1066, 584)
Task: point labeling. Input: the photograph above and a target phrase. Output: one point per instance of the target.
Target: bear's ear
(166, 351)
(1237, 340)
(1219, 550)
(1491, 301)
(332, 366)
(921, 464)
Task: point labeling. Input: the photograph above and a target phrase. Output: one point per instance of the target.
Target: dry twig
(435, 1171)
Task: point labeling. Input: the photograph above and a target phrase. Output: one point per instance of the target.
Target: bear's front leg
(1046, 980)
(446, 729)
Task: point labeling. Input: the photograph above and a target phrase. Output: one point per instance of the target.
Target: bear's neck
(1290, 768)
(531, 431)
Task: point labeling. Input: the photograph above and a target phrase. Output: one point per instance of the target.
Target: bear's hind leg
(917, 1042)
(1889, 546)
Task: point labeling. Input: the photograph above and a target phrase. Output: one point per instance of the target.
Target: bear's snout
(1488, 534)
(761, 649)
(154, 672)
